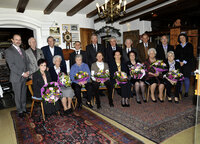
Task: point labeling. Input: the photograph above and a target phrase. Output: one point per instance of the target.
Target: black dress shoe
(111, 104)
(155, 101)
(127, 105)
(123, 105)
(186, 95)
(89, 105)
(160, 100)
(139, 102)
(144, 101)
(21, 115)
(176, 102)
(169, 100)
(98, 106)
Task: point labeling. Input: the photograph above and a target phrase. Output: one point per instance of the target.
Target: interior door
(85, 34)
(133, 35)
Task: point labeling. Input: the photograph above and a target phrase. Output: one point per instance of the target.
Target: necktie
(95, 48)
(114, 48)
(77, 52)
(20, 52)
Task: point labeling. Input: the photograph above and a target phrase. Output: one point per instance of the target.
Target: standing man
(163, 48)
(143, 47)
(92, 50)
(50, 51)
(77, 52)
(33, 55)
(111, 49)
(127, 49)
(18, 64)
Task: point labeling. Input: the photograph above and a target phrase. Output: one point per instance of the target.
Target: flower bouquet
(81, 77)
(120, 77)
(51, 92)
(64, 80)
(159, 66)
(102, 76)
(174, 75)
(137, 71)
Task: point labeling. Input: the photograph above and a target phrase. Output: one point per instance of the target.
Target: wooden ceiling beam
(21, 6)
(78, 7)
(129, 5)
(52, 5)
(153, 11)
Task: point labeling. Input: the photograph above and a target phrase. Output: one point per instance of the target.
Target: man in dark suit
(127, 49)
(50, 51)
(111, 49)
(92, 50)
(143, 47)
(76, 52)
(18, 64)
(163, 48)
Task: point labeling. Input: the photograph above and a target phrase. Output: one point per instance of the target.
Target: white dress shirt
(57, 69)
(52, 50)
(128, 50)
(145, 45)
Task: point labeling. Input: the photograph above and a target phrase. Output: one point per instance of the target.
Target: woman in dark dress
(184, 55)
(152, 77)
(172, 65)
(99, 65)
(125, 89)
(139, 83)
(67, 92)
(40, 78)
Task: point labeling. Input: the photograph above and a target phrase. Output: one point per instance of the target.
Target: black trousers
(96, 90)
(77, 91)
(169, 86)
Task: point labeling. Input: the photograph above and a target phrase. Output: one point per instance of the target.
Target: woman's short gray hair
(78, 56)
(55, 57)
(152, 49)
(171, 52)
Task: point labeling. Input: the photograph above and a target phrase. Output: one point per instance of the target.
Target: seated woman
(118, 65)
(139, 83)
(80, 66)
(68, 92)
(152, 77)
(172, 65)
(96, 67)
(40, 78)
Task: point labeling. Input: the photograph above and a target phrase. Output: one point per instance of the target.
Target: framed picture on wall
(74, 27)
(73, 44)
(57, 40)
(54, 30)
(75, 36)
(65, 27)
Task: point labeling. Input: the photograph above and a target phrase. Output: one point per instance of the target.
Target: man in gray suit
(18, 64)
(33, 55)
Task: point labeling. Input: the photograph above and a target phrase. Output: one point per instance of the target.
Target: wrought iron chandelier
(111, 10)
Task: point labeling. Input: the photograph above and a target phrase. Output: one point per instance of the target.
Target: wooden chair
(35, 99)
(148, 93)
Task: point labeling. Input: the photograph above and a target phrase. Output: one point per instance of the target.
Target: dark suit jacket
(161, 53)
(186, 54)
(91, 53)
(16, 63)
(125, 54)
(177, 65)
(141, 51)
(110, 54)
(38, 82)
(54, 76)
(49, 58)
(72, 57)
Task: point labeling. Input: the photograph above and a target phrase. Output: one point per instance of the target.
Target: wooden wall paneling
(193, 38)
(133, 35)
(174, 32)
(85, 34)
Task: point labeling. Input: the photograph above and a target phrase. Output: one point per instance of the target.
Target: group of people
(43, 66)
